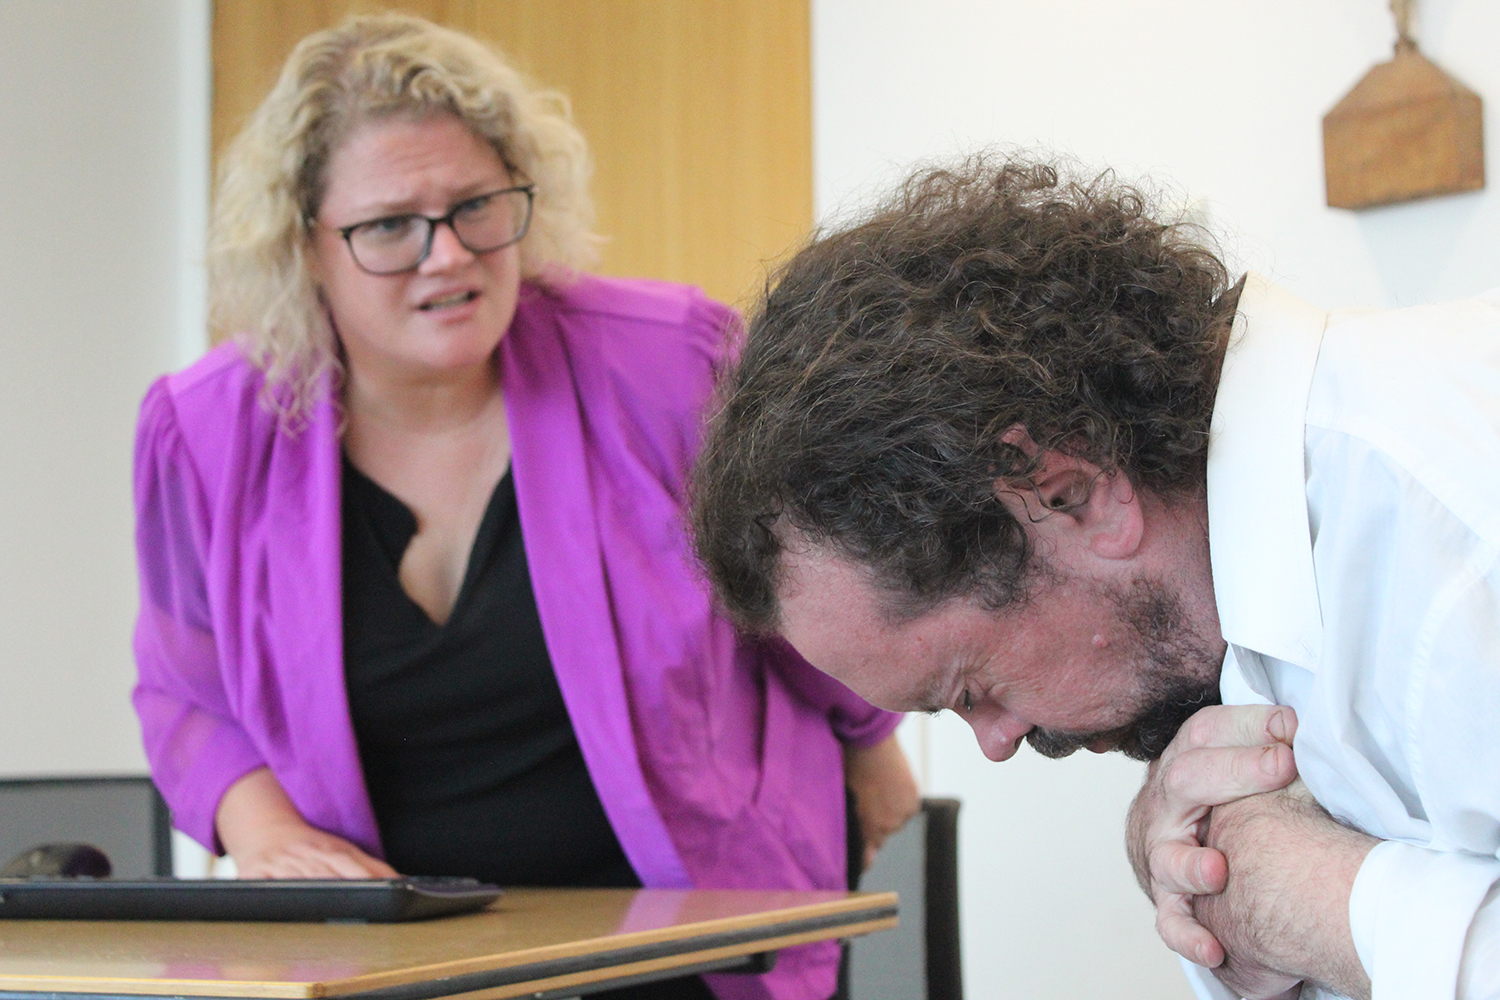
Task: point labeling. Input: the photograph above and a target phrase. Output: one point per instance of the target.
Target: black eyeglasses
(485, 223)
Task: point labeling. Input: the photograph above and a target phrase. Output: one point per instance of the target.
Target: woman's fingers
(314, 855)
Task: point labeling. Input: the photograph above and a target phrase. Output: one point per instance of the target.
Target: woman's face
(449, 313)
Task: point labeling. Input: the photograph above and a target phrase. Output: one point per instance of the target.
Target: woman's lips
(449, 301)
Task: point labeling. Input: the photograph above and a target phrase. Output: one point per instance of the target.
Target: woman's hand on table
(268, 838)
(885, 793)
(307, 853)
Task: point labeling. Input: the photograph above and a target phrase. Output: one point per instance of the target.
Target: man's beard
(1180, 676)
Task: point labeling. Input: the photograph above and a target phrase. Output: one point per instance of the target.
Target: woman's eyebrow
(408, 205)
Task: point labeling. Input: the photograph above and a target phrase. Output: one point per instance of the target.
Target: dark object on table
(373, 900)
(122, 815)
(58, 859)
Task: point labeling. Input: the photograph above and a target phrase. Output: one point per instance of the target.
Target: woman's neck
(439, 446)
(404, 403)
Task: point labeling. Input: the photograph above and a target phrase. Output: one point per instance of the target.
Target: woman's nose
(447, 250)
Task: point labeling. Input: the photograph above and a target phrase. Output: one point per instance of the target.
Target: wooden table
(532, 942)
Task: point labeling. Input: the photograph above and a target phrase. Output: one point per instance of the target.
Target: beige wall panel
(698, 113)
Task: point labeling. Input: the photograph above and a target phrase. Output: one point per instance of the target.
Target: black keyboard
(370, 900)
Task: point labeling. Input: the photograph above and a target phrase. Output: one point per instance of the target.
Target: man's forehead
(820, 566)
(838, 617)
(817, 585)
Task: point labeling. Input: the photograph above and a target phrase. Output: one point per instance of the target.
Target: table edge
(879, 913)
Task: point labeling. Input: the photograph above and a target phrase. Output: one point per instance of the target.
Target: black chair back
(944, 960)
(920, 960)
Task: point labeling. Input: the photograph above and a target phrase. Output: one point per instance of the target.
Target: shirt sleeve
(1424, 918)
(1479, 970)
(195, 748)
(1419, 916)
(1398, 719)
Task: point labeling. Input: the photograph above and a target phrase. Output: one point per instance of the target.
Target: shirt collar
(1260, 542)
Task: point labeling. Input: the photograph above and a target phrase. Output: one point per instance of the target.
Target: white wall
(1225, 100)
(103, 137)
(103, 165)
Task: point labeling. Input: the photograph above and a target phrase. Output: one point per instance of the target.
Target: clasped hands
(1250, 876)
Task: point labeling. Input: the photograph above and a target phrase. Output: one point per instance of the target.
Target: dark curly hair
(888, 358)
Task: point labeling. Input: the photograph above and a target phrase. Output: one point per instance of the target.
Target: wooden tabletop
(531, 940)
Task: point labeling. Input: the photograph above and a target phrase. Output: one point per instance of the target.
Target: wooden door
(698, 113)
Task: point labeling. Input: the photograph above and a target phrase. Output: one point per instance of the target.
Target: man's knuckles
(1209, 776)
(1238, 725)
(1185, 936)
(1188, 869)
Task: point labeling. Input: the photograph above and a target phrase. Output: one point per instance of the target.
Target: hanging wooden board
(1407, 130)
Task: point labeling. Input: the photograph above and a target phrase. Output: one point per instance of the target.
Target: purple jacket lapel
(558, 518)
(304, 599)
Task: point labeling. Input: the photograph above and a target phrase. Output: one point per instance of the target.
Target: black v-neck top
(469, 755)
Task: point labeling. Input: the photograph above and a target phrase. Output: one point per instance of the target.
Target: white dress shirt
(1354, 526)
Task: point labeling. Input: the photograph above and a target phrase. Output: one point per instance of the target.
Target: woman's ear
(312, 259)
(1070, 503)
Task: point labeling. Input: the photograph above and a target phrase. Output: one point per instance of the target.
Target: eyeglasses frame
(433, 221)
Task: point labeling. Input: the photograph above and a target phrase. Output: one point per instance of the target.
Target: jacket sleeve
(195, 747)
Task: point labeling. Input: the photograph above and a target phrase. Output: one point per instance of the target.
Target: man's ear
(1069, 502)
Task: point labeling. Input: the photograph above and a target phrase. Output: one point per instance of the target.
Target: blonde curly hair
(271, 179)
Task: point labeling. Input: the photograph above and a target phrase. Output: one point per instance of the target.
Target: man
(1012, 447)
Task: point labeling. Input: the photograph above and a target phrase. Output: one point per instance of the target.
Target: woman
(415, 591)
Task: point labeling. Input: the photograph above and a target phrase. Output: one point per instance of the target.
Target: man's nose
(998, 731)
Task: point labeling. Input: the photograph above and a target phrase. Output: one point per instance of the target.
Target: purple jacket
(717, 761)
